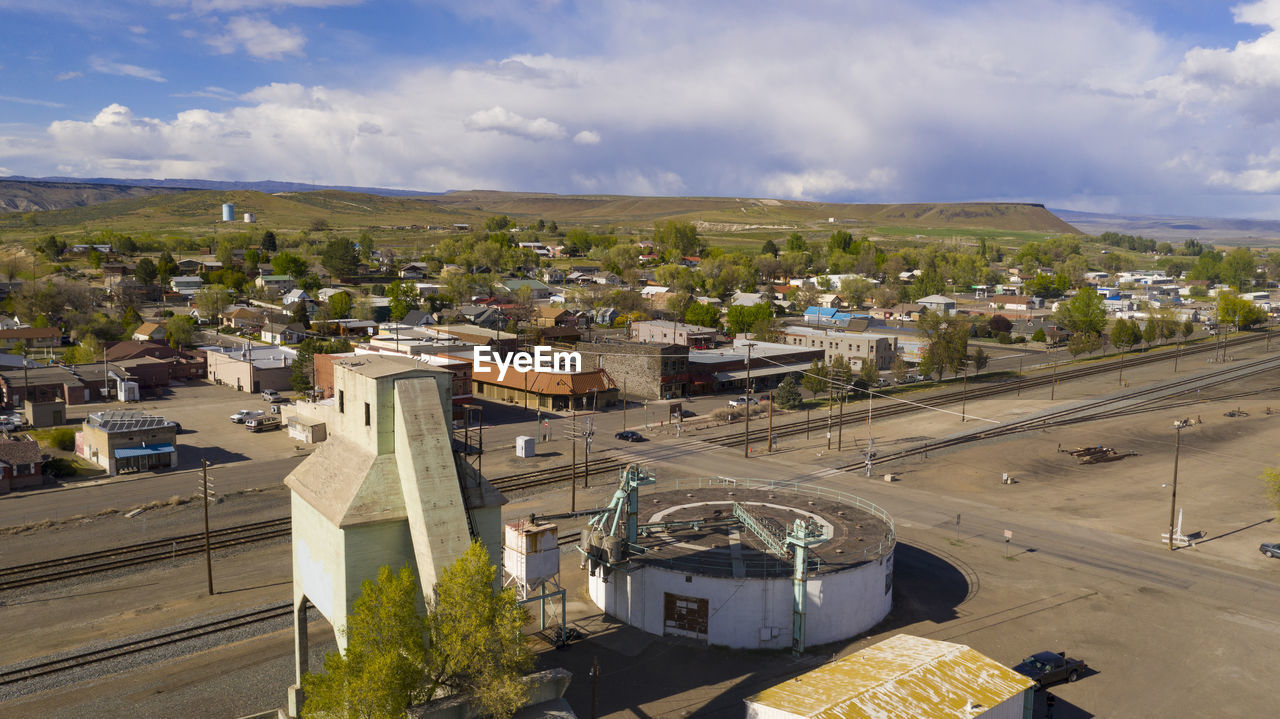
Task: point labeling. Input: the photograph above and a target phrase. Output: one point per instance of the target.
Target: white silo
(250, 217)
(228, 212)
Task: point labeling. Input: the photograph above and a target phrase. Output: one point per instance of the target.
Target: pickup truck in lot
(1045, 668)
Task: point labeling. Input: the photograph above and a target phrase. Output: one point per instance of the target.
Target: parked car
(629, 436)
(270, 395)
(262, 424)
(1045, 668)
(882, 382)
(1270, 550)
(245, 415)
(912, 377)
(742, 401)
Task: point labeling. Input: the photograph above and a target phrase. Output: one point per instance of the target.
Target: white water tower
(228, 212)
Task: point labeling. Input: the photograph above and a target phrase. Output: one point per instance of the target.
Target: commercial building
(21, 463)
(553, 391)
(903, 677)
(251, 368)
(678, 333)
(128, 441)
(726, 370)
(46, 384)
(649, 371)
(853, 346)
(385, 488)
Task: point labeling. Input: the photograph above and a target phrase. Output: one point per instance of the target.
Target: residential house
(746, 299)
(417, 318)
(31, 337)
(606, 316)
(186, 285)
(937, 303)
(149, 331)
(283, 334)
(552, 316)
(537, 290)
(243, 318)
(415, 271)
(554, 275)
(295, 295)
(21, 463)
(279, 284)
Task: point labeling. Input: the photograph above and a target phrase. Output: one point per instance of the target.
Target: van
(263, 424)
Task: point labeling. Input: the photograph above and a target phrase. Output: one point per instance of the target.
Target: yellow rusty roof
(903, 676)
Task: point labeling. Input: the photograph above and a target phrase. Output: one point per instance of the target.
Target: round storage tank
(228, 212)
(715, 573)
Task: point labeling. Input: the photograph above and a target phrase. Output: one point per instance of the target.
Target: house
(190, 266)
(551, 316)
(555, 391)
(279, 284)
(240, 317)
(186, 285)
(478, 315)
(325, 294)
(295, 295)
(417, 318)
(746, 299)
(149, 331)
(937, 303)
(31, 337)
(607, 278)
(283, 334)
(21, 463)
(415, 271)
(826, 317)
(1016, 303)
(553, 275)
(127, 441)
(180, 364)
(902, 677)
(10, 323)
(430, 289)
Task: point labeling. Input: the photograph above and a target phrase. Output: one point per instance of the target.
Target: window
(342, 402)
(366, 414)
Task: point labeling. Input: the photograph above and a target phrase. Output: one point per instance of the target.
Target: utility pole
(831, 408)
(204, 491)
(1053, 384)
(573, 463)
(964, 394)
(1020, 375)
(624, 404)
(771, 423)
(746, 426)
(1173, 496)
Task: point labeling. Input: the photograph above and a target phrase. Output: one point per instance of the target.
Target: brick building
(127, 440)
(21, 464)
(649, 371)
(679, 333)
(853, 346)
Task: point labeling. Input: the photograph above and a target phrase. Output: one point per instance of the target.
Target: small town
(591, 443)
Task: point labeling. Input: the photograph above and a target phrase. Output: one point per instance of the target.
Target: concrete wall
(234, 372)
(753, 613)
(650, 371)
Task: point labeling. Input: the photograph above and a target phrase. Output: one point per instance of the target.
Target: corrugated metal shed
(903, 676)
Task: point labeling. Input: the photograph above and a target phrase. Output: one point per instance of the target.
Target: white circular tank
(721, 583)
(228, 212)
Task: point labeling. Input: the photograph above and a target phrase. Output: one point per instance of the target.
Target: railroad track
(556, 475)
(1132, 402)
(135, 646)
(857, 416)
(78, 565)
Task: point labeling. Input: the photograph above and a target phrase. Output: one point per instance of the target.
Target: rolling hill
(36, 196)
(198, 211)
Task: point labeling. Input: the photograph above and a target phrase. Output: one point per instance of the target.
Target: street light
(1173, 496)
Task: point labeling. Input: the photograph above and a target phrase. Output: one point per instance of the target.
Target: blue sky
(1123, 106)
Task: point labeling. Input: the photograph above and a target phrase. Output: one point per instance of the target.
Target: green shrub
(63, 438)
(59, 467)
(1004, 338)
(1039, 335)
(1019, 340)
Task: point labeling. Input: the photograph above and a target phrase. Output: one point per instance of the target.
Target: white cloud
(215, 6)
(137, 29)
(110, 67)
(1057, 102)
(499, 119)
(30, 101)
(260, 38)
(69, 75)
(212, 92)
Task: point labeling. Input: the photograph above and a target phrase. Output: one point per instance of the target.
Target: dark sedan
(1045, 668)
(1270, 549)
(629, 436)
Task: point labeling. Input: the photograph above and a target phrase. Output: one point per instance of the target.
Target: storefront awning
(123, 452)
(738, 374)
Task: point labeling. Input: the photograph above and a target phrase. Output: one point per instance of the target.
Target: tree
(287, 263)
(999, 323)
(948, 338)
(1238, 268)
(703, 315)
(769, 248)
(340, 257)
(310, 283)
(340, 305)
(1083, 313)
(1150, 331)
(1080, 343)
(868, 372)
(268, 243)
(1271, 481)
(299, 314)
(899, 369)
(382, 669)
(787, 396)
(180, 331)
(318, 224)
(404, 297)
(678, 239)
(1237, 311)
(796, 243)
(212, 300)
(252, 258)
(741, 319)
(497, 224)
(980, 360)
(146, 271)
(166, 268)
(95, 259)
(1188, 327)
(51, 247)
(1125, 334)
(815, 378)
(226, 253)
(854, 290)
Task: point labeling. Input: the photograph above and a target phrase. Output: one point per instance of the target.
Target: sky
(1120, 106)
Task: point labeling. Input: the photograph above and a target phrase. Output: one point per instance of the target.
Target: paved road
(122, 493)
